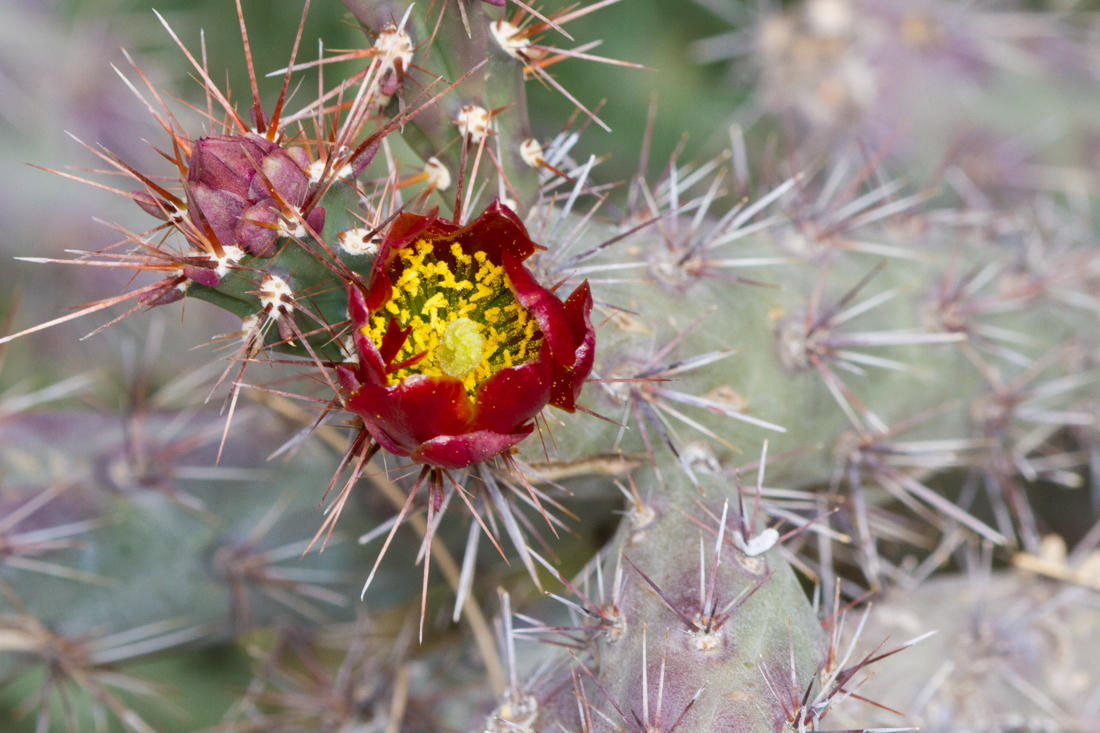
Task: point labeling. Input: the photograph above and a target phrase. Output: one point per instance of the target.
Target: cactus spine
(486, 344)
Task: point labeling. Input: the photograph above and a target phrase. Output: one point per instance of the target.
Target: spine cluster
(808, 373)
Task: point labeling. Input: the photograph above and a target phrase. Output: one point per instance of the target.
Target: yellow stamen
(462, 314)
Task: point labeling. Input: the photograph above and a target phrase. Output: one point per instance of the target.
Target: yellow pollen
(462, 315)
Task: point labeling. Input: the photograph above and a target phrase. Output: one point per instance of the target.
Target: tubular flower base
(459, 346)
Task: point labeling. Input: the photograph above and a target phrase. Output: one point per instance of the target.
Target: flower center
(461, 350)
(461, 312)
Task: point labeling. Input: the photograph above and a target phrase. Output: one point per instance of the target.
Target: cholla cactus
(453, 308)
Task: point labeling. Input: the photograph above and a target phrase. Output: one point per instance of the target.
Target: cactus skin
(969, 304)
(1012, 653)
(499, 85)
(728, 665)
(157, 532)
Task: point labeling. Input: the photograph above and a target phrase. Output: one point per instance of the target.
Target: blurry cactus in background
(487, 441)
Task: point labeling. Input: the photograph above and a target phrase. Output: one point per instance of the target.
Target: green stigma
(460, 352)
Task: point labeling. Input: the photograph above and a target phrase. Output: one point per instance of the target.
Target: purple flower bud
(316, 219)
(257, 228)
(221, 209)
(285, 176)
(362, 160)
(234, 181)
(202, 275)
(150, 204)
(162, 296)
(299, 156)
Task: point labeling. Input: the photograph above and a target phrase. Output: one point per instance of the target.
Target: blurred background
(974, 87)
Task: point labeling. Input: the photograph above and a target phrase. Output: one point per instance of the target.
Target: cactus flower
(225, 183)
(459, 347)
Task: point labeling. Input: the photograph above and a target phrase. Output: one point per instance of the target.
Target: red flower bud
(459, 346)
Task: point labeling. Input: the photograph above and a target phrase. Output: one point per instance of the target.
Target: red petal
(385, 440)
(498, 231)
(393, 340)
(514, 395)
(405, 230)
(348, 379)
(416, 410)
(357, 307)
(578, 307)
(546, 309)
(371, 367)
(460, 451)
(380, 289)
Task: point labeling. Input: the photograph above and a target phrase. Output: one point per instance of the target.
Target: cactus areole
(459, 346)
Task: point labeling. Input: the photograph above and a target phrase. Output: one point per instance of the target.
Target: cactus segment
(419, 279)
